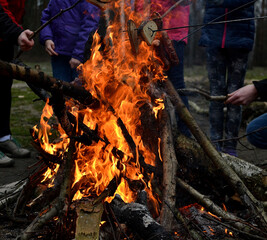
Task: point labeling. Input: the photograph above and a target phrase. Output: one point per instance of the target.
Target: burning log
(123, 99)
(137, 217)
(170, 165)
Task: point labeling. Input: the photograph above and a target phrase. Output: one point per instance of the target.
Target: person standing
(227, 49)
(65, 37)
(11, 33)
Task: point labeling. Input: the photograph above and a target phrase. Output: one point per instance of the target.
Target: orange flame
(115, 76)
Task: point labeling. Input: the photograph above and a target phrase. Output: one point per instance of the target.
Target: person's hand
(24, 42)
(242, 96)
(50, 48)
(74, 63)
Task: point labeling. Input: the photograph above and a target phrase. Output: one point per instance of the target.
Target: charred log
(137, 217)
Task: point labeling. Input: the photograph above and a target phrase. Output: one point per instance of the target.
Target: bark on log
(170, 164)
(88, 220)
(191, 154)
(46, 82)
(137, 217)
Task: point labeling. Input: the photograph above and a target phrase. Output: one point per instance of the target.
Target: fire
(120, 81)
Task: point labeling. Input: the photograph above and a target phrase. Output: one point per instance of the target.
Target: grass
(26, 112)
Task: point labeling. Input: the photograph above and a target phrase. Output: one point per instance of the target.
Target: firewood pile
(113, 164)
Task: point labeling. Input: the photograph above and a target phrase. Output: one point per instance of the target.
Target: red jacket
(14, 9)
(178, 17)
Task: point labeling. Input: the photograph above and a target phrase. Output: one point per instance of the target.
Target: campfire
(113, 164)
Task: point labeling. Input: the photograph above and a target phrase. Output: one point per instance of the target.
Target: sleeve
(5, 6)
(89, 23)
(261, 87)
(46, 33)
(8, 29)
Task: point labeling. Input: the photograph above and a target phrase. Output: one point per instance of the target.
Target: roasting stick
(171, 8)
(46, 23)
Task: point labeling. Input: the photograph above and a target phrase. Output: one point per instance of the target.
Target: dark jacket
(9, 31)
(71, 30)
(229, 35)
(261, 87)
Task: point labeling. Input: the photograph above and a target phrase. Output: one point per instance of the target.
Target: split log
(88, 220)
(170, 164)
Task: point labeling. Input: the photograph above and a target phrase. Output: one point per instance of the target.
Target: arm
(242, 96)
(89, 23)
(8, 29)
(46, 33)
(5, 7)
(247, 94)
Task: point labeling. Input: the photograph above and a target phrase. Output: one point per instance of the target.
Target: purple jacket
(70, 30)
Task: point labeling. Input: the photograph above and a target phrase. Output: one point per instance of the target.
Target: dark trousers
(226, 72)
(6, 54)
(61, 68)
(176, 76)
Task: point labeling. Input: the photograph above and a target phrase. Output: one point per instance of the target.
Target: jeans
(226, 72)
(176, 76)
(61, 68)
(258, 138)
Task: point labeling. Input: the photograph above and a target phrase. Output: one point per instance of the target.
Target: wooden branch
(186, 91)
(46, 82)
(219, 212)
(170, 164)
(63, 199)
(247, 198)
(48, 22)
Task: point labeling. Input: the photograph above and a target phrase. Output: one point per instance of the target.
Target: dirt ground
(23, 167)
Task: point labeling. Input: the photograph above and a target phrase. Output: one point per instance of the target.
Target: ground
(26, 113)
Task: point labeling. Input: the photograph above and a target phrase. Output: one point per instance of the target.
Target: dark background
(194, 55)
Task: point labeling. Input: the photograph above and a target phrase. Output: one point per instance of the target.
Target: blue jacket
(228, 35)
(70, 30)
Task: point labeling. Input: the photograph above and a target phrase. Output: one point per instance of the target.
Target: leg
(237, 66)
(6, 54)
(216, 67)
(258, 138)
(176, 76)
(61, 68)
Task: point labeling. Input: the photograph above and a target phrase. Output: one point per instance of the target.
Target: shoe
(12, 148)
(5, 161)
